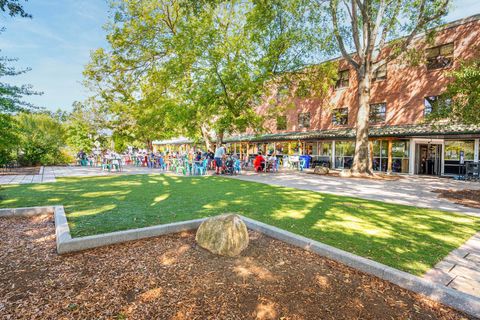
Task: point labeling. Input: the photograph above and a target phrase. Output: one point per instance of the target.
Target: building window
(282, 92)
(432, 103)
(343, 77)
(378, 112)
(440, 57)
(282, 123)
(455, 151)
(400, 156)
(340, 116)
(344, 151)
(304, 120)
(380, 73)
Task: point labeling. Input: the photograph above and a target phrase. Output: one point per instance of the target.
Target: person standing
(219, 154)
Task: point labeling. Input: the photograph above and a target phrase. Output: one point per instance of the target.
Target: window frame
(344, 116)
(375, 76)
(432, 104)
(440, 60)
(285, 122)
(376, 121)
(303, 117)
(340, 83)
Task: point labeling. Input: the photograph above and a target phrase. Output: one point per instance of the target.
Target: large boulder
(225, 235)
(321, 170)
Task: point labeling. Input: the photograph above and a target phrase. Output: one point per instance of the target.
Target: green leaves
(194, 68)
(464, 92)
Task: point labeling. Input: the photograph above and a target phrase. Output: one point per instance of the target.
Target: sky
(56, 45)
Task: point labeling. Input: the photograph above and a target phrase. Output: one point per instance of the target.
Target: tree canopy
(195, 68)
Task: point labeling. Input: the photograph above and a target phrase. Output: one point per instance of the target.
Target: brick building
(401, 96)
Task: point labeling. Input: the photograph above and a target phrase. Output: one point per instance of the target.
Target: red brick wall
(403, 90)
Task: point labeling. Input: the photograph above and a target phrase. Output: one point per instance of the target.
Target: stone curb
(67, 244)
(447, 296)
(26, 212)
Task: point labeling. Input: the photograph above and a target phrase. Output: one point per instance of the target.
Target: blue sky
(57, 42)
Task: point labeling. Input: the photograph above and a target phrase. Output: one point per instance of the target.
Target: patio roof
(417, 130)
(376, 132)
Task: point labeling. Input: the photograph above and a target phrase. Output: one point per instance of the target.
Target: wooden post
(389, 162)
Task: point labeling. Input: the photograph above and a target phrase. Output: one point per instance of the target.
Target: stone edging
(26, 212)
(447, 296)
(66, 244)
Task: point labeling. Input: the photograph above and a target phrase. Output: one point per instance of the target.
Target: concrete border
(65, 244)
(447, 296)
(26, 212)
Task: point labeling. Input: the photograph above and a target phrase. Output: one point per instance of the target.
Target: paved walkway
(460, 270)
(410, 190)
(49, 174)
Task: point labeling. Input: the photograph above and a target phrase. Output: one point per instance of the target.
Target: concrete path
(27, 178)
(410, 190)
(460, 270)
(50, 174)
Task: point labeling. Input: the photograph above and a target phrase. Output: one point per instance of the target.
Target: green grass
(408, 238)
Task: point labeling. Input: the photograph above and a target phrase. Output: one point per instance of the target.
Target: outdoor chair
(302, 164)
(201, 169)
(472, 171)
(237, 166)
(181, 167)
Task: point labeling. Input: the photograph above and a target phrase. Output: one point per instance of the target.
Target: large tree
(11, 96)
(195, 68)
(363, 31)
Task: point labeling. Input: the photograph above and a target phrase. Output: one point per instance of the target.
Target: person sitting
(259, 162)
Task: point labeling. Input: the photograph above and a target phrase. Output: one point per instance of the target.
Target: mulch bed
(19, 171)
(468, 198)
(169, 277)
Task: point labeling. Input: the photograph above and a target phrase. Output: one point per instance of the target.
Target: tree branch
(341, 44)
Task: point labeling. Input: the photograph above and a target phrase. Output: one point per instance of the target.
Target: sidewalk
(409, 190)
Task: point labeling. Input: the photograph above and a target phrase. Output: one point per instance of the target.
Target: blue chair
(201, 169)
(237, 167)
(275, 166)
(162, 164)
(301, 164)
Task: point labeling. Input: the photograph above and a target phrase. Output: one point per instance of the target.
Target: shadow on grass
(409, 238)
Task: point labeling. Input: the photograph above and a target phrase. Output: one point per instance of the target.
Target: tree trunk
(219, 138)
(361, 160)
(206, 137)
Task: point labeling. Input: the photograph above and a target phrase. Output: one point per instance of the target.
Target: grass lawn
(408, 238)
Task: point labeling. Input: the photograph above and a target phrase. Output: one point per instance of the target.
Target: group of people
(220, 160)
(262, 163)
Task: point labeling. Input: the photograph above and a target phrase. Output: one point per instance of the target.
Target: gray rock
(321, 170)
(224, 235)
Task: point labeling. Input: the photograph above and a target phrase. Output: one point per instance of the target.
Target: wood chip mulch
(169, 277)
(467, 197)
